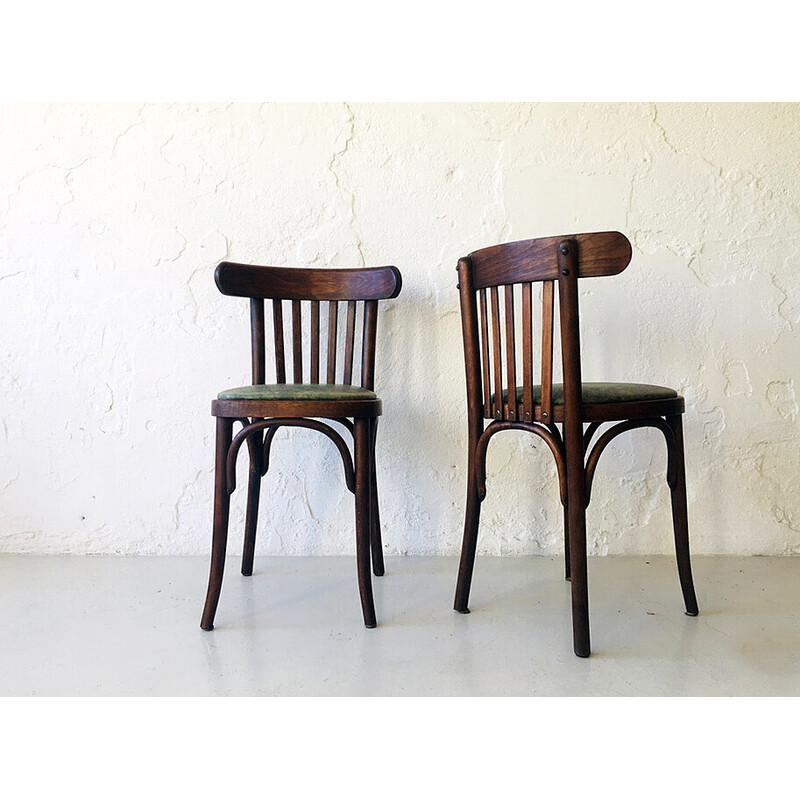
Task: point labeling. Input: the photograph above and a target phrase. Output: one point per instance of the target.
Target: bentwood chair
(501, 388)
(327, 393)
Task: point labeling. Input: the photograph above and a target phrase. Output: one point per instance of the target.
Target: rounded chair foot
(370, 624)
(207, 627)
(378, 573)
(691, 613)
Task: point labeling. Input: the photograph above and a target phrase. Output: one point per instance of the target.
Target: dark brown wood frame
(261, 419)
(560, 260)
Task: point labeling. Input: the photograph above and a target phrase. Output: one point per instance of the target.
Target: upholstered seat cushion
(595, 393)
(298, 391)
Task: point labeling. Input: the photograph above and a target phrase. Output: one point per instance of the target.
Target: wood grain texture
(297, 341)
(257, 339)
(314, 377)
(280, 355)
(333, 316)
(606, 253)
(547, 351)
(486, 369)
(308, 283)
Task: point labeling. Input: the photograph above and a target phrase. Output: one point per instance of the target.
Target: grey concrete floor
(129, 626)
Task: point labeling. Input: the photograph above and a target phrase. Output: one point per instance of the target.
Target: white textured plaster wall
(115, 339)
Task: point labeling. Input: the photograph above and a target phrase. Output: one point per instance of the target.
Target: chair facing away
(500, 387)
(326, 393)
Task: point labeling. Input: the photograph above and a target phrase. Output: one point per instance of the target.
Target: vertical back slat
(280, 358)
(527, 353)
(547, 351)
(350, 342)
(257, 340)
(496, 354)
(486, 371)
(314, 377)
(297, 342)
(333, 311)
(368, 344)
(511, 356)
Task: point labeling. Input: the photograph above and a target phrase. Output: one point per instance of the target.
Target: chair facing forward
(328, 393)
(500, 387)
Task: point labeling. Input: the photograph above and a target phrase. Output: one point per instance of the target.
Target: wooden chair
(501, 388)
(328, 393)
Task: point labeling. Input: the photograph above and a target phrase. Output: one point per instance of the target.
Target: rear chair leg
(222, 503)
(680, 518)
(576, 527)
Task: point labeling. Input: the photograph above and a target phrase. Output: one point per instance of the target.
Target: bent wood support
(269, 435)
(289, 423)
(622, 427)
(543, 433)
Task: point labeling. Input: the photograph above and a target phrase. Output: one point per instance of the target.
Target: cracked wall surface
(115, 338)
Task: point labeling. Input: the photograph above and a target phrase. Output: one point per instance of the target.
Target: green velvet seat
(298, 391)
(597, 393)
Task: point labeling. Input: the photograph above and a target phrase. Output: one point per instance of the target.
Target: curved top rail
(308, 283)
(604, 253)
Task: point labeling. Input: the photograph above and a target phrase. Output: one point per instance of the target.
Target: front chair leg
(680, 518)
(222, 504)
(472, 517)
(362, 435)
(375, 529)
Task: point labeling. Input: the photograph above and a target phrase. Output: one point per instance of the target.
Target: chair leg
(375, 529)
(251, 520)
(680, 519)
(363, 468)
(469, 544)
(579, 581)
(576, 527)
(222, 504)
(567, 573)
(255, 445)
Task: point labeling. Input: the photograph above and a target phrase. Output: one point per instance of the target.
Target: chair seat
(297, 400)
(600, 393)
(298, 391)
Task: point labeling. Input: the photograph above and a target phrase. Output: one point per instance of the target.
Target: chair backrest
(499, 353)
(319, 289)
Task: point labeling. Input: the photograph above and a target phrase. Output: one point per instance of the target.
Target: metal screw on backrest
(563, 248)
